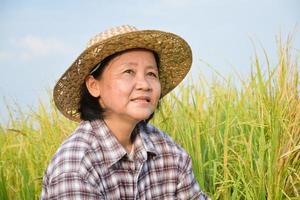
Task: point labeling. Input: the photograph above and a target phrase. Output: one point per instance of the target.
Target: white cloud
(32, 47)
(37, 46)
(5, 55)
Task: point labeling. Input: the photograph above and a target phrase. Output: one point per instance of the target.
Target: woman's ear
(93, 86)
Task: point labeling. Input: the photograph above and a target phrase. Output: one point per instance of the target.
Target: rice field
(244, 141)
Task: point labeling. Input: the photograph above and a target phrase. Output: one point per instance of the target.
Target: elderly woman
(113, 89)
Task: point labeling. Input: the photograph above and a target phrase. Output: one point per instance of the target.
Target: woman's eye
(152, 74)
(129, 71)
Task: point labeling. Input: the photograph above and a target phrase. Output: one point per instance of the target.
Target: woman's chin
(141, 116)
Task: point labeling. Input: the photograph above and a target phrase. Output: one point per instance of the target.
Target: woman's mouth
(141, 99)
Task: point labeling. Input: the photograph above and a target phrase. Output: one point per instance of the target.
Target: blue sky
(39, 39)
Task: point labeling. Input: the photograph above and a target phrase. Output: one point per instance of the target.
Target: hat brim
(175, 61)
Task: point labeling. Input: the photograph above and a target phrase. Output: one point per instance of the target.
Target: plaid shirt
(92, 164)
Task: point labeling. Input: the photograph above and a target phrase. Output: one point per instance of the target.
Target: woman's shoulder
(70, 154)
(162, 142)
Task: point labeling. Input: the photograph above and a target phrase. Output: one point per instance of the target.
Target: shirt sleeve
(188, 187)
(69, 186)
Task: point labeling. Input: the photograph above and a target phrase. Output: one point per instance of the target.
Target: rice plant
(244, 141)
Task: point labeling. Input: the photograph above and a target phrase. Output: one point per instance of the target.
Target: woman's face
(129, 86)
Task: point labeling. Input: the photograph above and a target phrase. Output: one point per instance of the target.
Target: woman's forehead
(134, 58)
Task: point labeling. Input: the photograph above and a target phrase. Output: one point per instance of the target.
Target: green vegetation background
(244, 141)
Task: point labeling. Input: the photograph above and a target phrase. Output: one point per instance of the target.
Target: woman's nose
(142, 83)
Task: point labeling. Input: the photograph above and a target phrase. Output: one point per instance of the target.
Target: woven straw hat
(174, 53)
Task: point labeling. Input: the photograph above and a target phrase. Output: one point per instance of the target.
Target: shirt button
(132, 170)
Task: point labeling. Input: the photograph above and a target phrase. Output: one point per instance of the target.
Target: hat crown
(110, 33)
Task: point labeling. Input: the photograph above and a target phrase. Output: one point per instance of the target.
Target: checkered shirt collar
(113, 151)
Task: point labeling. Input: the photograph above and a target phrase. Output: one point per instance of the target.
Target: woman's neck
(122, 130)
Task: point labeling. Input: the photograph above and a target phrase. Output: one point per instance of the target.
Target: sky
(40, 39)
